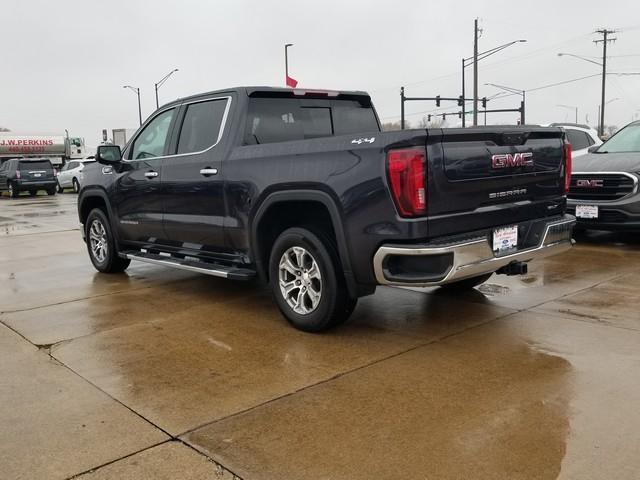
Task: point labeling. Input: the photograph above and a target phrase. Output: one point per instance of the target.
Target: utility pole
(475, 72)
(605, 39)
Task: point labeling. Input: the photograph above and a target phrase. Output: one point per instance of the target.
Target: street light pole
(159, 84)
(475, 59)
(286, 63)
(136, 90)
(464, 103)
(605, 40)
(570, 107)
(475, 72)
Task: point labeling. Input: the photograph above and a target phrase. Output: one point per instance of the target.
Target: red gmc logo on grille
(596, 183)
(507, 160)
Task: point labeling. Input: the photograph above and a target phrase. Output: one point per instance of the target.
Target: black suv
(27, 175)
(303, 190)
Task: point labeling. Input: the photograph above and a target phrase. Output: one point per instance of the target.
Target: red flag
(291, 82)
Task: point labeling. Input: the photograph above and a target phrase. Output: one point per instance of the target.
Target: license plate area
(505, 239)
(587, 211)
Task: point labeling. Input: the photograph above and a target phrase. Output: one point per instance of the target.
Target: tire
(101, 244)
(307, 262)
(76, 186)
(467, 283)
(33, 193)
(59, 188)
(51, 191)
(13, 192)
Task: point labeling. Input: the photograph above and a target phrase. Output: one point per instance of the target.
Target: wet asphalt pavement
(165, 374)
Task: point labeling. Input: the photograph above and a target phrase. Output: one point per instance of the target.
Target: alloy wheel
(98, 241)
(300, 280)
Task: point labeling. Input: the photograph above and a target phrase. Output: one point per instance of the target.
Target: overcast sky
(65, 62)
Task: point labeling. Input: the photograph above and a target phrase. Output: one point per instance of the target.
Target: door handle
(208, 171)
(151, 174)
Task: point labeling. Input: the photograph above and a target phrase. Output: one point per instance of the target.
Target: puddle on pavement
(493, 289)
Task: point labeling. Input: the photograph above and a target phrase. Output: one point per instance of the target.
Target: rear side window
(202, 126)
(353, 117)
(577, 139)
(39, 165)
(272, 120)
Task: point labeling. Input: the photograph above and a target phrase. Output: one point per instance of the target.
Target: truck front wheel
(101, 244)
(307, 282)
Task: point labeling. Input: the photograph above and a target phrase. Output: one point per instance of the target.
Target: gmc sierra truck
(301, 189)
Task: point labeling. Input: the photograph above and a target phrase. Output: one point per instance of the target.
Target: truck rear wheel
(467, 283)
(101, 244)
(306, 280)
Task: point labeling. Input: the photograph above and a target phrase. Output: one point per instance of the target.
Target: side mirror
(593, 148)
(109, 154)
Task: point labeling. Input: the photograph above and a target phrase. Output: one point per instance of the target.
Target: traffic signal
(429, 118)
(459, 114)
(460, 100)
(444, 116)
(437, 100)
(484, 102)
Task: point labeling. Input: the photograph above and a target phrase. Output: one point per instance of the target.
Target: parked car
(27, 174)
(70, 176)
(303, 190)
(581, 137)
(604, 186)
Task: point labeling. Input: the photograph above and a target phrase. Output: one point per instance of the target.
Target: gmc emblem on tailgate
(598, 183)
(506, 160)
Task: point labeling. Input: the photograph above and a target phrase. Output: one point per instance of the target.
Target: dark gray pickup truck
(301, 189)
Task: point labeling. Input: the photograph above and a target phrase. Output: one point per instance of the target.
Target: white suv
(70, 175)
(581, 137)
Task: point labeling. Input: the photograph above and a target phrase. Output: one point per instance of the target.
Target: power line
(508, 59)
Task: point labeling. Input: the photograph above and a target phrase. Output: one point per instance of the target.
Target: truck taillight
(17, 173)
(407, 176)
(567, 167)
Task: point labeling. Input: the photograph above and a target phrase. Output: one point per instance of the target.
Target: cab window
(152, 140)
(201, 127)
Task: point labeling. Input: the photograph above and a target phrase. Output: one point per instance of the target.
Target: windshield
(626, 140)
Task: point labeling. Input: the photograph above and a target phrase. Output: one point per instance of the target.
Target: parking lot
(158, 373)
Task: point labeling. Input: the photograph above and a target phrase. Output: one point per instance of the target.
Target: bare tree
(390, 126)
(435, 122)
(3, 129)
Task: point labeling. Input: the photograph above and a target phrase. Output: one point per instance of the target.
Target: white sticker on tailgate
(505, 238)
(587, 211)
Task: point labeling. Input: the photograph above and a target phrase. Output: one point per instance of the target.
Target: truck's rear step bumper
(216, 270)
(425, 266)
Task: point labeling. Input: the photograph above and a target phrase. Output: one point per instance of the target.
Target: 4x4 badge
(360, 141)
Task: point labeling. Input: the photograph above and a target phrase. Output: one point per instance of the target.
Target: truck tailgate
(481, 178)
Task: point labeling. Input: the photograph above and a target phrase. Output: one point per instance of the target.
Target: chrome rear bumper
(474, 257)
